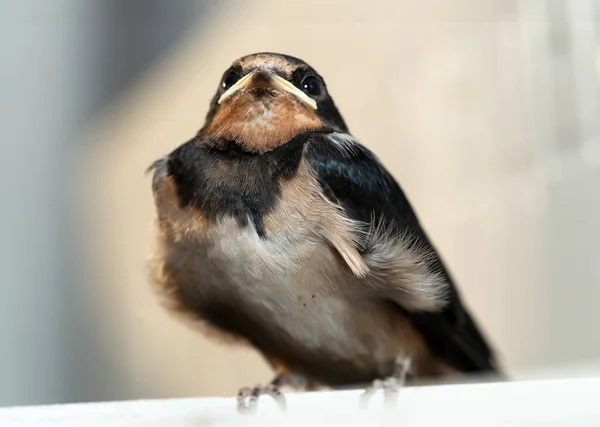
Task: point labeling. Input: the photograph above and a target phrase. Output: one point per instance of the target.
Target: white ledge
(563, 402)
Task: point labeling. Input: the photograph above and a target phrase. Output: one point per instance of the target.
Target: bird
(278, 229)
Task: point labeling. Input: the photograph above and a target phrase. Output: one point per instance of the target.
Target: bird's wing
(353, 178)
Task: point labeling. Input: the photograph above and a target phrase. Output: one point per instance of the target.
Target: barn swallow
(279, 229)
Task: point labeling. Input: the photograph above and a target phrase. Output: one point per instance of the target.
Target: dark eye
(229, 79)
(312, 86)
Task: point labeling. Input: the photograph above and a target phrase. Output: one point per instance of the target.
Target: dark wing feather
(351, 176)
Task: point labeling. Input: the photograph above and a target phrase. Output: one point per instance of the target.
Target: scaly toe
(247, 399)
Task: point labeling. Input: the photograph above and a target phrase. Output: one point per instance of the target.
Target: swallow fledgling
(279, 229)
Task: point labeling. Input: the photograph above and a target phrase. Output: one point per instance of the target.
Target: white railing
(562, 402)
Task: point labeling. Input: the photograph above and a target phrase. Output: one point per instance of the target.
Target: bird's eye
(312, 86)
(229, 79)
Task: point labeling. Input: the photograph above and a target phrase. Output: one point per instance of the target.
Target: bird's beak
(271, 79)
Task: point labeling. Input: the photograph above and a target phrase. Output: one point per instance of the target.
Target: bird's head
(266, 99)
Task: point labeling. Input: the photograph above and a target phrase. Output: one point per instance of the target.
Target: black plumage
(358, 181)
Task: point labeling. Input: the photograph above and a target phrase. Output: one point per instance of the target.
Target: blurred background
(487, 112)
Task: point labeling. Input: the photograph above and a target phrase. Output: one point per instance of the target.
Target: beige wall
(446, 93)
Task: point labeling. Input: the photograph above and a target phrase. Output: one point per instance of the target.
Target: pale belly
(298, 305)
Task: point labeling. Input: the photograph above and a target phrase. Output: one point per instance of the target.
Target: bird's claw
(391, 385)
(247, 399)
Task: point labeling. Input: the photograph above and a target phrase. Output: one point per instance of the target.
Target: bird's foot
(247, 398)
(391, 385)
